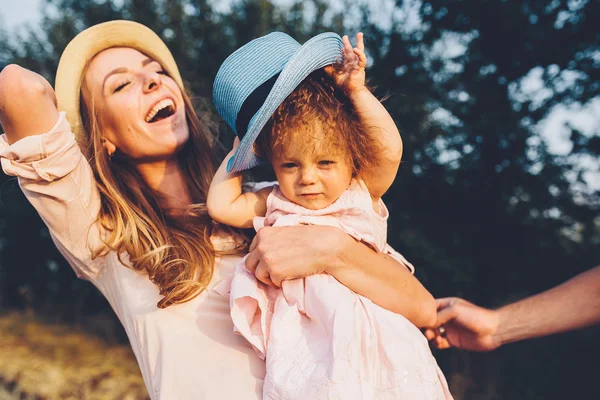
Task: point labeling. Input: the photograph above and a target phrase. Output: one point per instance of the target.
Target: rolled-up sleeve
(58, 181)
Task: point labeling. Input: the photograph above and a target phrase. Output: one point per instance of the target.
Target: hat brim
(92, 41)
(318, 52)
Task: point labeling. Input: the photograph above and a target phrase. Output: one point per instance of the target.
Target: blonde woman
(120, 177)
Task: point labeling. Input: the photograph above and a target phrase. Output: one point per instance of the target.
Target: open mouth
(161, 110)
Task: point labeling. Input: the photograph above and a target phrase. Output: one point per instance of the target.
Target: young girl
(335, 151)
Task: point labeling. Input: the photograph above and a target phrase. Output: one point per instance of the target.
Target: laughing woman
(118, 165)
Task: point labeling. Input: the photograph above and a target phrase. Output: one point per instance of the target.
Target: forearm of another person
(282, 253)
(572, 305)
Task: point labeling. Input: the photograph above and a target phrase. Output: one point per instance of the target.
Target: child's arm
(377, 121)
(227, 204)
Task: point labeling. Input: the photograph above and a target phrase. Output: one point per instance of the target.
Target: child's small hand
(351, 75)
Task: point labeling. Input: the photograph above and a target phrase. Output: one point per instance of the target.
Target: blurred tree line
(480, 205)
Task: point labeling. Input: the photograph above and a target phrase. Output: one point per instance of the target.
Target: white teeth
(159, 106)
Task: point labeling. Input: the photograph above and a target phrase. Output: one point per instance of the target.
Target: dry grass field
(41, 361)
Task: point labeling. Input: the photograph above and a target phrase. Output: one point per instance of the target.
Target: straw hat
(254, 80)
(92, 41)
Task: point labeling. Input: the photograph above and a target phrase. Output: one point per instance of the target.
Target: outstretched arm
(41, 151)
(27, 103)
(572, 305)
(227, 204)
(373, 115)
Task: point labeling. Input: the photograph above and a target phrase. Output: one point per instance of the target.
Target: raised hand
(350, 76)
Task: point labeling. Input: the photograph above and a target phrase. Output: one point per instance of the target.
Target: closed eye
(289, 165)
(120, 87)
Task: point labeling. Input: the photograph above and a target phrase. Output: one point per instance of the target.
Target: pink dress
(320, 339)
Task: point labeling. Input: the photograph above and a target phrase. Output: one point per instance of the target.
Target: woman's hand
(284, 253)
(27, 103)
(351, 76)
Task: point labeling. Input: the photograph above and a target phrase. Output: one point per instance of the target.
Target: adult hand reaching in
(464, 325)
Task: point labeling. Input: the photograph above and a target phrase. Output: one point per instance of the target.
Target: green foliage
(480, 205)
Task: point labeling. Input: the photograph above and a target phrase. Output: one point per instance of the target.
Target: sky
(14, 14)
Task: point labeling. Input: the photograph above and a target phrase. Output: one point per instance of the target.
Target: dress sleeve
(59, 183)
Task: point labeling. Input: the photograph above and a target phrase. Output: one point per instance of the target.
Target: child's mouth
(310, 195)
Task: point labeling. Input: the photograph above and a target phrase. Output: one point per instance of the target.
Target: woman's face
(140, 109)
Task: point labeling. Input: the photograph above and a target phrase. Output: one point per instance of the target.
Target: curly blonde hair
(317, 103)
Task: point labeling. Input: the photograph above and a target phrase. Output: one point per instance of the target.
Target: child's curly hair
(317, 103)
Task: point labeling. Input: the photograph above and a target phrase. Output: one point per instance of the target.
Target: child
(335, 151)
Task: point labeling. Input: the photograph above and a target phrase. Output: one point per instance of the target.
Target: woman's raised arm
(27, 103)
(39, 148)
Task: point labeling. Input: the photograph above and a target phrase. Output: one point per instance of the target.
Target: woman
(132, 220)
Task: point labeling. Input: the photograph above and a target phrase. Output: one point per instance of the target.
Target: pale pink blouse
(186, 351)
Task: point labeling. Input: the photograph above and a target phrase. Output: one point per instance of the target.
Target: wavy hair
(175, 251)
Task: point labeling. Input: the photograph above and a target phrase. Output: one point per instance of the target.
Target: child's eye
(289, 165)
(326, 162)
(121, 86)
(162, 72)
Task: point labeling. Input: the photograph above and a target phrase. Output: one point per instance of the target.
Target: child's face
(312, 179)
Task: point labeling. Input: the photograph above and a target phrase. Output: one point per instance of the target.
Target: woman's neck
(167, 178)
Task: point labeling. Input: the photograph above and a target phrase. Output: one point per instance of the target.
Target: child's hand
(351, 75)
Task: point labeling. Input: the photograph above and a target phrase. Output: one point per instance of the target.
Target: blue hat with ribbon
(254, 80)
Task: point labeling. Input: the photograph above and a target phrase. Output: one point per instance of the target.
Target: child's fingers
(348, 50)
(360, 42)
(362, 57)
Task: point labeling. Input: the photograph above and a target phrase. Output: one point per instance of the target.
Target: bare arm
(27, 103)
(227, 204)
(572, 305)
(375, 118)
(283, 253)
(380, 125)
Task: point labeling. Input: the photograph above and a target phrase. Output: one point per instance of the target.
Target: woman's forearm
(284, 253)
(571, 305)
(383, 280)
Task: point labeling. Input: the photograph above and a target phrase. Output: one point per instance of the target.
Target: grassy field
(42, 361)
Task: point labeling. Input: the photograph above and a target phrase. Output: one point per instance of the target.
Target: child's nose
(308, 176)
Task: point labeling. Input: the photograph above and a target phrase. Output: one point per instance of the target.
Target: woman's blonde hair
(174, 250)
